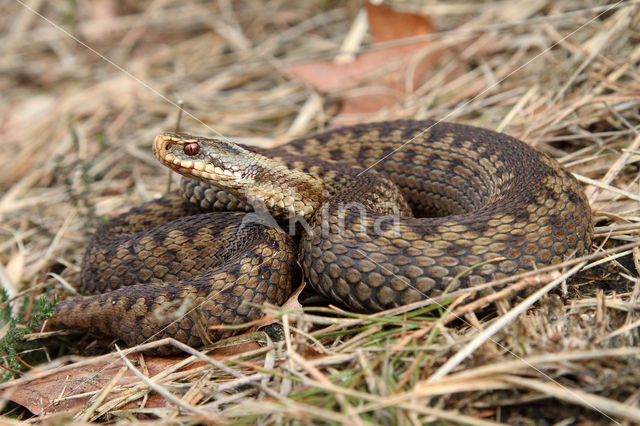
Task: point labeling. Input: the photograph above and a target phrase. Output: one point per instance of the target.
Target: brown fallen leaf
(292, 302)
(69, 390)
(375, 92)
(64, 391)
(386, 25)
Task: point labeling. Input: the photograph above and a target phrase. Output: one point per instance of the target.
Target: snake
(371, 216)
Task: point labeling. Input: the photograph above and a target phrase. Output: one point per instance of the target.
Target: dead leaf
(59, 392)
(375, 92)
(386, 24)
(229, 351)
(292, 302)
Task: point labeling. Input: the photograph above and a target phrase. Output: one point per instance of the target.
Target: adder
(378, 215)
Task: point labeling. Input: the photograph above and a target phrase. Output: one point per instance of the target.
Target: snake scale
(378, 215)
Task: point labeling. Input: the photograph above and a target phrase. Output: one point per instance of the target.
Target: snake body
(379, 215)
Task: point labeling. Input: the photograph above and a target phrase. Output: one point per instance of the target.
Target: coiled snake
(346, 196)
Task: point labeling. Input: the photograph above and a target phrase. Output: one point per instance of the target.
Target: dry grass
(76, 133)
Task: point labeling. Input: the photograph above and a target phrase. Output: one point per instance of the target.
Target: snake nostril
(191, 148)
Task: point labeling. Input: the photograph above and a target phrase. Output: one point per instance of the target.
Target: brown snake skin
(479, 196)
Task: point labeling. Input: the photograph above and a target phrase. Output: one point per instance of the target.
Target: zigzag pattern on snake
(445, 198)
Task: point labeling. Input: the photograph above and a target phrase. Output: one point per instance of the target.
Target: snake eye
(191, 148)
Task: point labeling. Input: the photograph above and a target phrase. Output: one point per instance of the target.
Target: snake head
(210, 160)
(246, 174)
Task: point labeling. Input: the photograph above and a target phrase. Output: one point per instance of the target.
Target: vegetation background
(87, 84)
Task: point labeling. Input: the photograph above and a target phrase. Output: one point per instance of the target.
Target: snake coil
(392, 212)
